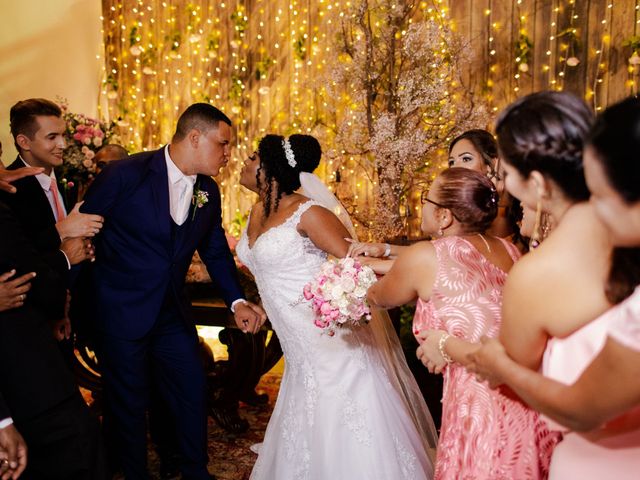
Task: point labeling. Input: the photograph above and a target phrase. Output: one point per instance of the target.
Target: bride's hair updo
(471, 197)
(282, 159)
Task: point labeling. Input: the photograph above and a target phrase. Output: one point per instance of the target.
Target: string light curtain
(247, 57)
(260, 61)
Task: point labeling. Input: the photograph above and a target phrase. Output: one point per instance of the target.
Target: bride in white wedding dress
(347, 408)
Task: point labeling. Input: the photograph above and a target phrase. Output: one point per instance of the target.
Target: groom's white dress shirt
(180, 194)
(180, 190)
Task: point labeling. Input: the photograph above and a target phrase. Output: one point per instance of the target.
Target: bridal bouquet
(338, 294)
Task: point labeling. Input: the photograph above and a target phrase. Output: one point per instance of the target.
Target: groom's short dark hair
(199, 116)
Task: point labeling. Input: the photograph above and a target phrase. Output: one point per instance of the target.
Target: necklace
(485, 242)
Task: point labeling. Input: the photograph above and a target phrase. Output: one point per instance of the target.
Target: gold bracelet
(441, 343)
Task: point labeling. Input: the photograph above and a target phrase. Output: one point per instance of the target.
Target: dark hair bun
(307, 152)
(275, 164)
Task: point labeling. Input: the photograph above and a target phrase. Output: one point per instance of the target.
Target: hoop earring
(536, 237)
(440, 232)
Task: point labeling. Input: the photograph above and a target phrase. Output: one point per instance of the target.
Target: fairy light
(601, 67)
(633, 68)
(271, 52)
(567, 46)
(491, 49)
(551, 52)
(524, 48)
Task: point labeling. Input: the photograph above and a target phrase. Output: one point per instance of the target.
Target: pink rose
(325, 309)
(307, 292)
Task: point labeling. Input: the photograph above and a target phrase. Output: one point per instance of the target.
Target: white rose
(360, 291)
(336, 292)
(326, 268)
(97, 141)
(342, 303)
(348, 262)
(348, 284)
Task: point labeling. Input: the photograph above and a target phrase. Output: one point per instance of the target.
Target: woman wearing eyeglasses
(457, 280)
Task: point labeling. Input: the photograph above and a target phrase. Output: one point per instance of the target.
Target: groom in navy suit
(159, 207)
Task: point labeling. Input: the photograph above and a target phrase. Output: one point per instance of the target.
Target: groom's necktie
(180, 210)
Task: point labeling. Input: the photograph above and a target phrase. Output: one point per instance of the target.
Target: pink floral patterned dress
(484, 434)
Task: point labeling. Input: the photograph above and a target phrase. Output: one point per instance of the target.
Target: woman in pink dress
(590, 377)
(458, 281)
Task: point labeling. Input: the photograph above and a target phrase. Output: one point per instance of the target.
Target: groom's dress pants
(169, 356)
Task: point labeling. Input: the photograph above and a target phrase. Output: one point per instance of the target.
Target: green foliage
(262, 67)
(240, 21)
(133, 36)
(236, 88)
(524, 46)
(300, 49)
(633, 42)
(238, 223)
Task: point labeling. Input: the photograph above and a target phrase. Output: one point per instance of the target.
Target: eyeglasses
(424, 199)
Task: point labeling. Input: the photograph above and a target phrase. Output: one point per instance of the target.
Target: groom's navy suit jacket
(139, 264)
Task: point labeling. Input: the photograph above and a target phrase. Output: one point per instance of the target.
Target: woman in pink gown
(458, 281)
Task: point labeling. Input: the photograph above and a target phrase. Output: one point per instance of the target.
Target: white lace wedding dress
(337, 416)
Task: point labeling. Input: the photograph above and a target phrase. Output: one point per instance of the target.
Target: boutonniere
(199, 199)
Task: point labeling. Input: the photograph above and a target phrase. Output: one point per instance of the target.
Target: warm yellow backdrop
(48, 48)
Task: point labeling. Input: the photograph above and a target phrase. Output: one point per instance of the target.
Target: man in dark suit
(38, 394)
(38, 130)
(159, 207)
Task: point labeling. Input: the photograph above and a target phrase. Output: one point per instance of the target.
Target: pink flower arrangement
(89, 133)
(338, 294)
(84, 137)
